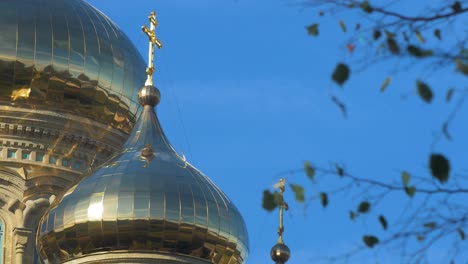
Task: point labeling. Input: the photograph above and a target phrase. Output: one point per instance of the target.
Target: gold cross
(153, 40)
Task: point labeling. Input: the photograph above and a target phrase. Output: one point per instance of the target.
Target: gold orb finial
(149, 95)
(280, 253)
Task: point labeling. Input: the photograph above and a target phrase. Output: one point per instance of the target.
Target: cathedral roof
(147, 200)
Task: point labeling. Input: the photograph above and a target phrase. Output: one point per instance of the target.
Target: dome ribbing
(68, 57)
(148, 201)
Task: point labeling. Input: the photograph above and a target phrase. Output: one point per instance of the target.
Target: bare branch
(420, 18)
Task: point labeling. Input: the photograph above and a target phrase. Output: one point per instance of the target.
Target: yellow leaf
(420, 37)
(385, 84)
(343, 26)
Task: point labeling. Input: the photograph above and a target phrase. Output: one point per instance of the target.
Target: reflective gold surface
(146, 199)
(67, 56)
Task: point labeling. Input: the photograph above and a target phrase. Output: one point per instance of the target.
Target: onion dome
(69, 79)
(147, 204)
(67, 57)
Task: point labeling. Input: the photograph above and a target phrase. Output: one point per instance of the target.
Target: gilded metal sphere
(68, 57)
(280, 253)
(149, 95)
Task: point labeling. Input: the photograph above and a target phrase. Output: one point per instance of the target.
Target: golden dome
(147, 200)
(68, 57)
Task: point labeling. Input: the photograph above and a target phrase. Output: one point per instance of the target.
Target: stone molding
(23, 240)
(49, 134)
(55, 121)
(77, 157)
(22, 235)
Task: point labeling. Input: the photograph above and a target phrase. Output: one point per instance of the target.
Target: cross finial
(153, 40)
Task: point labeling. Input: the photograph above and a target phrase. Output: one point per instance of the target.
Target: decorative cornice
(48, 125)
(47, 135)
(143, 258)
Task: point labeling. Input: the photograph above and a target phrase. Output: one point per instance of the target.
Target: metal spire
(282, 206)
(280, 253)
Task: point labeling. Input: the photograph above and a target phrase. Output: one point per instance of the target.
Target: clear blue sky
(246, 95)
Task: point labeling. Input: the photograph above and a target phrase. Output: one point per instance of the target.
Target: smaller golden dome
(147, 200)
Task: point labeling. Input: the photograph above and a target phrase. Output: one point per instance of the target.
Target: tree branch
(437, 190)
(419, 18)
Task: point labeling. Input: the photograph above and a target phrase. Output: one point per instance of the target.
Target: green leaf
(298, 191)
(366, 7)
(352, 215)
(430, 225)
(270, 200)
(424, 91)
(420, 37)
(383, 222)
(461, 233)
(440, 167)
(313, 29)
(370, 241)
(309, 170)
(461, 67)
(341, 73)
(437, 34)
(393, 46)
(376, 34)
(449, 95)
(410, 191)
(364, 207)
(405, 177)
(324, 199)
(418, 52)
(343, 26)
(456, 7)
(385, 84)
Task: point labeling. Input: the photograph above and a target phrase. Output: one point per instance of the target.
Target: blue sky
(246, 95)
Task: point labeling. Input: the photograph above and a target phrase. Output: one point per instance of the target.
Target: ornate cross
(153, 40)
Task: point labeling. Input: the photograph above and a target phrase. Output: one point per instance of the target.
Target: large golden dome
(146, 200)
(68, 57)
